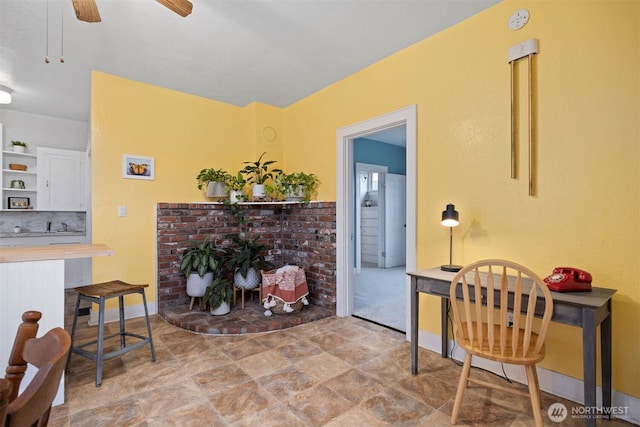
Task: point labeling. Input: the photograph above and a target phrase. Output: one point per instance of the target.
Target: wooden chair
(486, 332)
(47, 353)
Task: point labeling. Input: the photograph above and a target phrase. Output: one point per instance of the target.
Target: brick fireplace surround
(302, 234)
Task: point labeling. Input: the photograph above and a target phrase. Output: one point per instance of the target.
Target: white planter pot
(216, 189)
(258, 191)
(235, 196)
(196, 285)
(223, 309)
(253, 279)
(294, 195)
(18, 148)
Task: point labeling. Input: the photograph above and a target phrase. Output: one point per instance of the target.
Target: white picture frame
(138, 167)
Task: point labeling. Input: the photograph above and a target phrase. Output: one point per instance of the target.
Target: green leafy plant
(211, 175)
(275, 191)
(258, 172)
(201, 258)
(246, 255)
(308, 182)
(236, 182)
(19, 143)
(219, 291)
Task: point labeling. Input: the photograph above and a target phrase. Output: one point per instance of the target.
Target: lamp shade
(5, 95)
(450, 216)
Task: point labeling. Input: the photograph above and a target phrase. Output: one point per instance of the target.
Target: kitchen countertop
(51, 252)
(43, 234)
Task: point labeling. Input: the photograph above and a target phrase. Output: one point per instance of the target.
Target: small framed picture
(138, 167)
(18, 203)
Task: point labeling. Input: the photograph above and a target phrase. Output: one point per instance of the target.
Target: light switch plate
(122, 211)
(519, 19)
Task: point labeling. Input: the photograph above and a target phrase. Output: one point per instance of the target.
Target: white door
(61, 179)
(395, 230)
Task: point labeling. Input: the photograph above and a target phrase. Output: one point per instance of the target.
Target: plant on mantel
(213, 180)
(235, 184)
(299, 185)
(258, 173)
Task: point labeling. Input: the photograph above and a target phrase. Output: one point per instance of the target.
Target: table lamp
(450, 219)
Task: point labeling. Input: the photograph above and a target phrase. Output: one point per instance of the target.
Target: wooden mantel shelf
(41, 253)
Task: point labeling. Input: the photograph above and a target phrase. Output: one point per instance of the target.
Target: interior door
(395, 230)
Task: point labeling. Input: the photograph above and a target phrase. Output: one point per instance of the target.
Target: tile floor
(330, 372)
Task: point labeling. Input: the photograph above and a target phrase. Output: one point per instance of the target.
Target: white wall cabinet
(61, 179)
(370, 234)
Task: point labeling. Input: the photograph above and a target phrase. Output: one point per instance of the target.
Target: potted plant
(218, 296)
(275, 190)
(258, 173)
(199, 264)
(299, 186)
(214, 181)
(18, 146)
(235, 184)
(245, 260)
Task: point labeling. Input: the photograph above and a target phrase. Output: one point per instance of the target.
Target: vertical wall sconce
(450, 219)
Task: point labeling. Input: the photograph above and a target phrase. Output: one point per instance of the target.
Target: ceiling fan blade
(86, 10)
(181, 7)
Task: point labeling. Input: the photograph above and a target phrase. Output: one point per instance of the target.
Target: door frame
(345, 204)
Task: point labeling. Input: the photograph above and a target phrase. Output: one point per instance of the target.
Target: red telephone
(568, 279)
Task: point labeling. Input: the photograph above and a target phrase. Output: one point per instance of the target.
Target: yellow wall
(183, 133)
(586, 209)
(588, 104)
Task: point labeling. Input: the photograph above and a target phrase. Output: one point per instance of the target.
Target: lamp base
(452, 268)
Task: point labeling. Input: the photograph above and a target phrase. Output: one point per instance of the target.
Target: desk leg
(605, 348)
(589, 362)
(414, 325)
(444, 325)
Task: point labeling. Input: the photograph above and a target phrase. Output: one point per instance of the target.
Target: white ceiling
(235, 51)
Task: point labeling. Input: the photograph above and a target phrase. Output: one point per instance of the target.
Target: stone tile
(242, 401)
(355, 386)
(318, 405)
(322, 366)
(397, 408)
(287, 382)
(114, 413)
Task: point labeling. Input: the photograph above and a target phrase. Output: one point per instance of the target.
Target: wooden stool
(257, 289)
(98, 294)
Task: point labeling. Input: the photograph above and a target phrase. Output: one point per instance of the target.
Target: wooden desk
(586, 310)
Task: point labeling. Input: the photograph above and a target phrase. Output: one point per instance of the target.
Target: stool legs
(73, 332)
(100, 352)
(146, 316)
(99, 356)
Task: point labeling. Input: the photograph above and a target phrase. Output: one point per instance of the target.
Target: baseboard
(624, 406)
(130, 312)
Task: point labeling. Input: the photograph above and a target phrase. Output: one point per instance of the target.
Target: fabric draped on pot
(284, 290)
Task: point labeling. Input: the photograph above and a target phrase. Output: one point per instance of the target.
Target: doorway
(346, 203)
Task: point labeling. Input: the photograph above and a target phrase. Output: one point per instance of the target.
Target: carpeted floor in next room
(330, 372)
